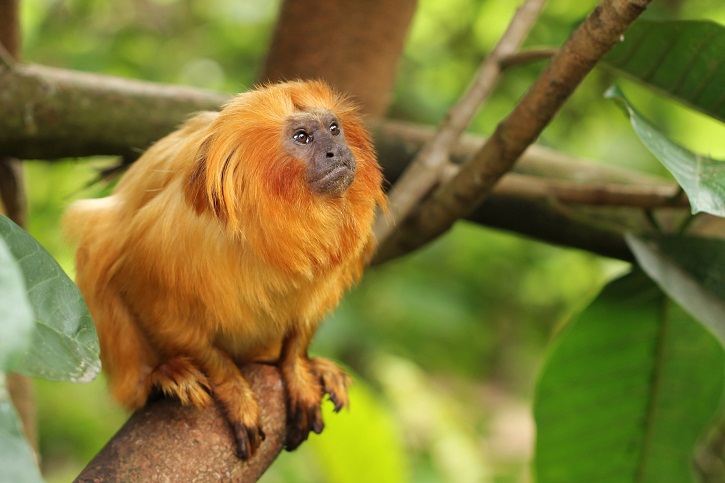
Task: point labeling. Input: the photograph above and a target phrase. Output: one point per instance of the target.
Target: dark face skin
(317, 139)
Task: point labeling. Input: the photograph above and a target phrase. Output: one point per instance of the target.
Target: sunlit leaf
(627, 390)
(690, 271)
(15, 312)
(64, 342)
(682, 59)
(360, 443)
(16, 458)
(702, 178)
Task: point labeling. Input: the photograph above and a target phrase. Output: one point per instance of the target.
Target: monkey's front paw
(334, 381)
(241, 410)
(179, 377)
(247, 439)
(302, 417)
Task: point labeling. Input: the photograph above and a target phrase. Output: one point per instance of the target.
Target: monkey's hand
(304, 396)
(209, 372)
(334, 381)
(307, 380)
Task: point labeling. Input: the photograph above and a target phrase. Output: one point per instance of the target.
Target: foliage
(447, 341)
(47, 333)
(633, 380)
(699, 176)
(619, 384)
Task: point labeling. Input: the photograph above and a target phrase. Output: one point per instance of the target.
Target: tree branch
(528, 56)
(425, 170)
(165, 441)
(458, 198)
(50, 113)
(396, 142)
(591, 193)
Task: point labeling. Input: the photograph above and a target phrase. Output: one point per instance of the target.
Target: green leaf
(15, 312)
(16, 457)
(702, 178)
(681, 59)
(690, 271)
(349, 459)
(64, 341)
(627, 390)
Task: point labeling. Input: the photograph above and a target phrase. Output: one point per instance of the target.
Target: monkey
(226, 243)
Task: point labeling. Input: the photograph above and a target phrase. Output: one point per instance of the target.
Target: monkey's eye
(334, 129)
(301, 137)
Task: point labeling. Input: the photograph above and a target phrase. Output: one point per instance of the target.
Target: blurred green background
(444, 344)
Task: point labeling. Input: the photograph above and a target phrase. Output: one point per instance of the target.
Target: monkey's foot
(303, 416)
(304, 396)
(241, 410)
(247, 439)
(334, 381)
(179, 377)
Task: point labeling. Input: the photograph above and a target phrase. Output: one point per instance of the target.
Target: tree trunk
(353, 45)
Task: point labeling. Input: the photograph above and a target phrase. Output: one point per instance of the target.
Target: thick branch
(166, 441)
(51, 113)
(396, 142)
(458, 198)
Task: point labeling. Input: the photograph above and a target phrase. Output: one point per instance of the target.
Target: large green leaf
(702, 178)
(690, 271)
(682, 59)
(16, 315)
(64, 342)
(16, 458)
(627, 390)
(16, 326)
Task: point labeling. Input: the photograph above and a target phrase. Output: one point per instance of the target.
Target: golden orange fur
(213, 251)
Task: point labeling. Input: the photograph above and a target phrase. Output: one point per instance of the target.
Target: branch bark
(458, 198)
(51, 113)
(354, 46)
(165, 441)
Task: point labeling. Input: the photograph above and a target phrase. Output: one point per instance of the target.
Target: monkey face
(317, 139)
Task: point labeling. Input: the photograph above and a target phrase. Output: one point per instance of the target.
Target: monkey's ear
(196, 187)
(203, 191)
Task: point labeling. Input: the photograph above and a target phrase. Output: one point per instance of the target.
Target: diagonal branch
(587, 45)
(425, 170)
(165, 441)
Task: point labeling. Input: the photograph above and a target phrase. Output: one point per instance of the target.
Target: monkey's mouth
(335, 181)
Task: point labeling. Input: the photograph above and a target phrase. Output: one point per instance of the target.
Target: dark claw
(338, 404)
(240, 437)
(318, 425)
(247, 440)
(300, 422)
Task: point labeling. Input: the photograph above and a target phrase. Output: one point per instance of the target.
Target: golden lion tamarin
(226, 243)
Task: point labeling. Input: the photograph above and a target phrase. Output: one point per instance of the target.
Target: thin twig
(425, 170)
(587, 45)
(590, 193)
(528, 56)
